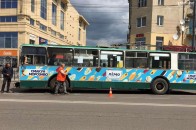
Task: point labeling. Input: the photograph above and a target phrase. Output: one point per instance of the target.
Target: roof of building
(83, 19)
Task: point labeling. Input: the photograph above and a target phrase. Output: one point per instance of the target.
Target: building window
(8, 3)
(141, 22)
(8, 18)
(43, 12)
(62, 36)
(159, 43)
(142, 3)
(79, 34)
(53, 14)
(160, 2)
(53, 32)
(43, 27)
(63, 5)
(160, 20)
(31, 41)
(8, 40)
(32, 22)
(12, 59)
(139, 42)
(62, 20)
(32, 6)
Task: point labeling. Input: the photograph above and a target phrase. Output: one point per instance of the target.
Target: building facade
(41, 22)
(157, 23)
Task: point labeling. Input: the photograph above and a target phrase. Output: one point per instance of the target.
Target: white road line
(157, 98)
(98, 103)
(187, 98)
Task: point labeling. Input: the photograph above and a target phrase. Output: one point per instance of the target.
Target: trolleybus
(102, 68)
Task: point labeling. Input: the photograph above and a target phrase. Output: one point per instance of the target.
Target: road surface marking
(98, 103)
(187, 98)
(157, 98)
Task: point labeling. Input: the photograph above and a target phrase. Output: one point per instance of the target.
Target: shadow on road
(181, 92)
(173, 92)
(19, 90)
(134, 91)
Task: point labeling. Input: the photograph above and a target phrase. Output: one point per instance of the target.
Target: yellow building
(38, 22)
(156, 23)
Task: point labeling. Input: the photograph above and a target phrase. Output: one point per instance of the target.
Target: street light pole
(193, 38)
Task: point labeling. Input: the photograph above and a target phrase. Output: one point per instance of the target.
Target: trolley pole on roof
(193, 38)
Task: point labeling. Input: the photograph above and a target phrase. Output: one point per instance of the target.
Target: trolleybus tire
(52, 84)
(159, 86)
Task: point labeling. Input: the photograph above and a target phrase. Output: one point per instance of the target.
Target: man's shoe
(2, 91)
(66, 93)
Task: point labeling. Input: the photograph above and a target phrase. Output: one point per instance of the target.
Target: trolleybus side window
(85, 58)
(34, 55)
(160, 61)
(187, 61)
(111, 59)
(60, 55)
(136, 59)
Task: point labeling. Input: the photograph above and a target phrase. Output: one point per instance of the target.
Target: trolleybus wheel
(52, 84)
(159, 86)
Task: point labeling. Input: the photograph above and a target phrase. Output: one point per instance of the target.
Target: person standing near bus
(7, 76)
(61, 78)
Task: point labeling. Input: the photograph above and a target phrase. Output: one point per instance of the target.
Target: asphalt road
(92, 110)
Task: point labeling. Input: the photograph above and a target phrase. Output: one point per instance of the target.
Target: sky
(108, 20)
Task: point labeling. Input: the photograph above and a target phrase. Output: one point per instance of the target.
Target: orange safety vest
(60, 76)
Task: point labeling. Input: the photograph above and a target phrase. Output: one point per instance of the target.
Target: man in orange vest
(61, 78)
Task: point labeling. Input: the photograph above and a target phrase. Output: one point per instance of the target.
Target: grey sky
(108, 20)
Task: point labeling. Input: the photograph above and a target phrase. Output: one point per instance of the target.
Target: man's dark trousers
(8, 80)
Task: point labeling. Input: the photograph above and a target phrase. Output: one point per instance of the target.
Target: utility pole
(183, 19)
(130, 14)
(193, 38)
